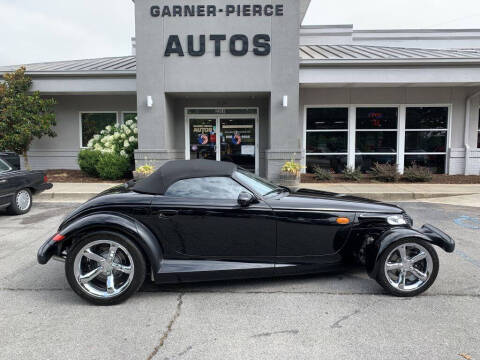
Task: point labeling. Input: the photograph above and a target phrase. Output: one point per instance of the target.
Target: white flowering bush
(117, 139)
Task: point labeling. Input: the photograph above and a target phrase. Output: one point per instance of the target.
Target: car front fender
(126, 225)
(427, 232)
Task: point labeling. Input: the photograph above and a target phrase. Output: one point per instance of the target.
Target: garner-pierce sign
(239, 44)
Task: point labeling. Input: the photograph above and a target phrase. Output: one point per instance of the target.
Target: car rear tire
(105, 268)
(21, 202)
(408, 267)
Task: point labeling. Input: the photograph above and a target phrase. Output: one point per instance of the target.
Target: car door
(200, 218)
(310, 230)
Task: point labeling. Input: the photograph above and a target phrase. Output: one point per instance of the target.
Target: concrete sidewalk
(78, 192)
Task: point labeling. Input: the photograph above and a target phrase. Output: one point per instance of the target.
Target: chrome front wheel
(105, 268)
(408, 267)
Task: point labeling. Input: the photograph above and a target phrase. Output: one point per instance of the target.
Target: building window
(327, 138)
(376, 136)
(92, 123)
(426, 131)
(128, 116)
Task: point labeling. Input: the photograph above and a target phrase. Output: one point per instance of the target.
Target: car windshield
(4, 166)
(257, 184)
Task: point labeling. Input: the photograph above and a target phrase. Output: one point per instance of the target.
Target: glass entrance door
(237, 130)
(238, 141)
(203, 138)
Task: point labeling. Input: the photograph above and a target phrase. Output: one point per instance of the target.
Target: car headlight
(396, 220)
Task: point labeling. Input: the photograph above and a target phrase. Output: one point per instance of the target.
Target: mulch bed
(75, 176)
(366, 179)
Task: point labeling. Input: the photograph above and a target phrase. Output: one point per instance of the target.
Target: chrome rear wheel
(105, 267)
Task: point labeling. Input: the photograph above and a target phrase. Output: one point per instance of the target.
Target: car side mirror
(245, 199)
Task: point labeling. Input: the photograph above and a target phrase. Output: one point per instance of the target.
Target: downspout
(467, 129)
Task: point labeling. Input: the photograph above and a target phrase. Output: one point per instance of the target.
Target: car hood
(306, 199)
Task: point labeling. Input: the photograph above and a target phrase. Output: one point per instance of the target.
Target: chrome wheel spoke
(418, 257)
(123, 268)
(418, 274)
(393, 265)
(112, 252)
(90, 276)
(401, 280)
(110, 284)
(89, 254)
(402, 249)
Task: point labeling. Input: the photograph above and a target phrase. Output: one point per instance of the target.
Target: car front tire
(105, 268)
(21, 202)
(408, 267)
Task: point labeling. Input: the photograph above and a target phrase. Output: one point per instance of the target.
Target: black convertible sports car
(18, 186)
(205, 220)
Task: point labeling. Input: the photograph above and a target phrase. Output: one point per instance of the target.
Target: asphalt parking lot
(329, 316)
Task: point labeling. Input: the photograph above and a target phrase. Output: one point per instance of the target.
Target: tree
(24, 115)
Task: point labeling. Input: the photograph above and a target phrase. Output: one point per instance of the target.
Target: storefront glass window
(376, 136)
(426, 131)
(93, 123)
(327, 138)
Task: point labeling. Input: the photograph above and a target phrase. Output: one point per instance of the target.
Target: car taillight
(58, 237)
(45, 179)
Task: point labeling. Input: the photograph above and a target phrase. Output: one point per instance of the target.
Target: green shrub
(385, 172)
(417, 173)
(352, 174)
(322, 174)
(88, 160)
(112, 166)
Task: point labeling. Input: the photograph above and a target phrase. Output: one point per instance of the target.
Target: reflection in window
(221, 188)
(3, 166)
(327, 118)
(93, 123)
(427, 118)
(425, 141)
(376, 141)
(436, 163)
(337, 163)
(327, 142)
(366, 162)
(327, 138)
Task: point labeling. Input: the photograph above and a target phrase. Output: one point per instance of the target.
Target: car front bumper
(438, 237)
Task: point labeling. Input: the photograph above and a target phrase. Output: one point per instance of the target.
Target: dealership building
(248, 83)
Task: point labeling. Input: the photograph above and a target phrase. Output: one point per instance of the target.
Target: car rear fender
(427, 233)
(124, 224)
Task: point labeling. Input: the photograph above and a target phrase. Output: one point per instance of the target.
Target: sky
(48, 30)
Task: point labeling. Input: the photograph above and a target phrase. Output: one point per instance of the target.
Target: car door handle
(165, 214)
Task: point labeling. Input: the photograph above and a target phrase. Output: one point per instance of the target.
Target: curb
(390, 196)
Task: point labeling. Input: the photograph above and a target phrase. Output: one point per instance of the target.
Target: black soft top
(172, 171)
